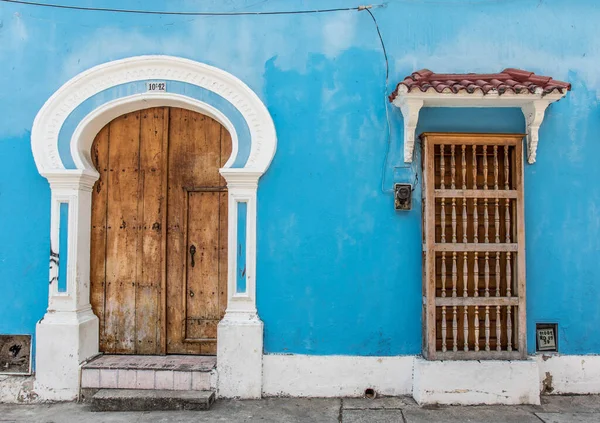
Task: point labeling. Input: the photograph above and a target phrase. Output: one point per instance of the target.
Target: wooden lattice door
(474, 247)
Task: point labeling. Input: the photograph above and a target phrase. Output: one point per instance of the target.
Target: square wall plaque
(15, 354)
(546, 337)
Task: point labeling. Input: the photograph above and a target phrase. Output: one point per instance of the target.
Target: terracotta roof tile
(509, 80)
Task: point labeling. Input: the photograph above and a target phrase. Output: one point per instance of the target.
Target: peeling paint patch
(547, 384)
(18, 390)
(54, 263)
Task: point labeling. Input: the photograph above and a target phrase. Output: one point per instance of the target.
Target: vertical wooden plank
(453, 220)
(519, 185)
(498, 329)
(178, 177)
(223, 213)
(206, 155)
(429, 178)
(463, 162)
(487, 328)
(444, 330)
(454, 329)
(452, 167)
(225, 150)
(150, 216)
(495, 166)
(226, 147)
(164, 225)
(98, 233)
(442, 168)
(122, 240)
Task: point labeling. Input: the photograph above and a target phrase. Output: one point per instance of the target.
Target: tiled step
(156, 400)
(180, 373)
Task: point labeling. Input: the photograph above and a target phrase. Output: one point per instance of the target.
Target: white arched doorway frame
(68, 334)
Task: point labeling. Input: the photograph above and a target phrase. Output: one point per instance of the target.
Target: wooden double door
(159, 232)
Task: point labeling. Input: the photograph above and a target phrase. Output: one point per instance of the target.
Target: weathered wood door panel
(158, 194)
(197, 229)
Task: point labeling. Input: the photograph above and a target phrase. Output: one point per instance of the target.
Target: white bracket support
(534, 116)
(533, 106)
(410, 111)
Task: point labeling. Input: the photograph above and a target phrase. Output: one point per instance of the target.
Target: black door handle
(192, 252)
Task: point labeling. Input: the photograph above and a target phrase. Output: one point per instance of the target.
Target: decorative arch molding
(69, 316)
(52, 116)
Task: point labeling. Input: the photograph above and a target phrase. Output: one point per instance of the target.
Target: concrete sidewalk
(554, 409)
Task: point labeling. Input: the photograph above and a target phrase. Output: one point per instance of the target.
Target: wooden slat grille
(474, 267)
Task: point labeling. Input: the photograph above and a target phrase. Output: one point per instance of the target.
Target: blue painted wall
(339, 272)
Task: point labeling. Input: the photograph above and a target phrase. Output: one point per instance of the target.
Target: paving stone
(569, 417)
(572, 404)
(447, 414)
(378, 403)
(63, 413)
(372, 416)
(271, 410)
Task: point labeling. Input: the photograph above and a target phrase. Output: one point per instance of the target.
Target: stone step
(146, 379)
(150, 400)
(181, 373)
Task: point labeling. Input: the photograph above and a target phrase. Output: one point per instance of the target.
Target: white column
(240, 333)
(68, 334)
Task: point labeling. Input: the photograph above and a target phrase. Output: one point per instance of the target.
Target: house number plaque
(156, 86)
(546, 338)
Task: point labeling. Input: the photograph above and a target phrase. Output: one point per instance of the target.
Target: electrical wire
(157, 12)
(387, 66)
(412, 166)
(385, 104)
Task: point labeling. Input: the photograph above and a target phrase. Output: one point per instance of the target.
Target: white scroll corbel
(410, 111)
(534, 115)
